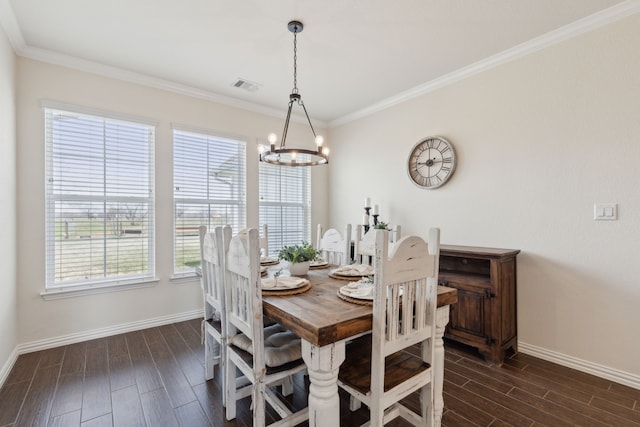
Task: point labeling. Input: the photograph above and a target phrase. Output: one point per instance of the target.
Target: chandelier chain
(295, 62)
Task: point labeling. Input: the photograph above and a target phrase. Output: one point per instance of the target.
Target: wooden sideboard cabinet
(485, 316)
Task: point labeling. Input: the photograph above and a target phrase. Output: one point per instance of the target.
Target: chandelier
(294, 156)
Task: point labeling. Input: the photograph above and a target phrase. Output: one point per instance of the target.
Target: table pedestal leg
(323, 364)
(442, 318)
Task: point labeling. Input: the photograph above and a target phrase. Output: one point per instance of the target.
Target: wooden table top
(321, 317)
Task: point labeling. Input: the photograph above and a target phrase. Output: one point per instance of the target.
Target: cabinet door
(470, 318)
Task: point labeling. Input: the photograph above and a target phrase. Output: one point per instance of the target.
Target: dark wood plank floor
(155, 377)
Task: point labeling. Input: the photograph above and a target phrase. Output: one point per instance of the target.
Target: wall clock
(431, 162)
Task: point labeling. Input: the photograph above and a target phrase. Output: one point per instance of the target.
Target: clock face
(431, 162)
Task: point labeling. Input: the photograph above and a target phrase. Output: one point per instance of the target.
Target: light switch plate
(605, 211)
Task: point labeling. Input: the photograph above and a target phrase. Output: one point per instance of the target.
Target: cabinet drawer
(452, 264)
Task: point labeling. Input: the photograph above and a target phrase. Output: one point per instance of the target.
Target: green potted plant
(298, 257)
(381, 225)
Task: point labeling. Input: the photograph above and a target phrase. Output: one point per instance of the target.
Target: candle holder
(367, 209)
(375, 219)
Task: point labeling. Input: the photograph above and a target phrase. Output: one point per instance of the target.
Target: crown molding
(9, 22)
(584, 25)
(92, 67)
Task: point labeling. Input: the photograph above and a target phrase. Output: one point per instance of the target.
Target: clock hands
(429, 162)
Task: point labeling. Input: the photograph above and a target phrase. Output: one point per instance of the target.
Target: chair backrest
(243, 291)
(214, 246)
(405, 297)
(264, 240)
(334, 247)
(364, 243)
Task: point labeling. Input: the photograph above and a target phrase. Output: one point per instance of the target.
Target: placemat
(284, 292)
(319, 267)
(354, 300)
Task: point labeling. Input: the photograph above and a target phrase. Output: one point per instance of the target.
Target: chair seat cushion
(281, 346)
(355, 371)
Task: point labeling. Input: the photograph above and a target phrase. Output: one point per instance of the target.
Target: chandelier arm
(286, 125)
(308, 119)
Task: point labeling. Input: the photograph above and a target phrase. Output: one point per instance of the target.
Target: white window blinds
(285, 204)
(209, 189)
(100, 200)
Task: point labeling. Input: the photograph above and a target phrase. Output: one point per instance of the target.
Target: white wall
(539, 141)
(45, 320)
(8, 308)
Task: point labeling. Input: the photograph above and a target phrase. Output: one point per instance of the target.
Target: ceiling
(353, 55)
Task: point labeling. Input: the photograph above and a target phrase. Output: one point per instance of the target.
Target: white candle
(375, 209)
(367, 202)
(365, 219)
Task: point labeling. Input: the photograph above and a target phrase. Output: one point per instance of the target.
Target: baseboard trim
(4, 372)
(106, 332)
(601, 371)
(89, 335)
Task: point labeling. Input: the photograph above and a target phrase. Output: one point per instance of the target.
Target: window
(285, 204)
(209, 189)
(100, 200)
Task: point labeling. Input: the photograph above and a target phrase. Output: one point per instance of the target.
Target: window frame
(54, 289)
(211, 137)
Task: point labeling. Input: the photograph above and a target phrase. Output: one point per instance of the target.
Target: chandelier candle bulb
(319, 141)
(367, 202)
(375, 209)
(272, 141)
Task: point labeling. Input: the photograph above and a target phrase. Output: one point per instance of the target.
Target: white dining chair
(378, 370)
(265, 356)
(213, 252)
(363, 247)
(335, 248)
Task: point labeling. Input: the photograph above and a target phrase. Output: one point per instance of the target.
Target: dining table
(325, 322)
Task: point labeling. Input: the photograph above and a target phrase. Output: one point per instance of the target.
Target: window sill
(79, 291)
(185, 277)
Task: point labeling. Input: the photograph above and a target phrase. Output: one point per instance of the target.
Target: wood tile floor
(155, 377)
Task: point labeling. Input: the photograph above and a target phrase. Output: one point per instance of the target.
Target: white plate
(283, 283)
(365, 270)
(318, 263)
(358, 290)
(268, 261)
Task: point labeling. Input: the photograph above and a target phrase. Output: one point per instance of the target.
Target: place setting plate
(285, 285)
(357, 292)
(353, 272)
(268, 261)
(318, 264)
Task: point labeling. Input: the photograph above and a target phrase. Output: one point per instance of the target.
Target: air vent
(246, 85)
